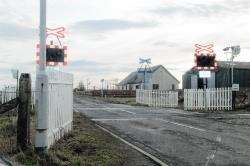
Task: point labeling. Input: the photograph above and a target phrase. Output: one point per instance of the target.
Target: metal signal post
(145, 71)
(42, 64)
(235, 50)
(42, 116)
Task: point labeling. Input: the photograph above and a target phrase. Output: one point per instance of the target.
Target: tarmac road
(175, 136)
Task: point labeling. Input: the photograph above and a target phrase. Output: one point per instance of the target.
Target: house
(159, 78)
(222, 77)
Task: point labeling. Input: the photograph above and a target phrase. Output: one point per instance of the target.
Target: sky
(105, 39)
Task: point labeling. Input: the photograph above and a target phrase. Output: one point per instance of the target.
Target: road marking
(108, 109)
(243, 114)
(212, 156)
(183, 125)
(125, 119)
(119, 109)
(155, 159)
(128, 111)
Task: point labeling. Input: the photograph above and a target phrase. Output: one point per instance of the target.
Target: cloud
(135, 28)
(97, 68)
(203, 9)
(165, 43)
(104, 25)
(189, 10)
(86, 66)
(12, 31)
(5, 71)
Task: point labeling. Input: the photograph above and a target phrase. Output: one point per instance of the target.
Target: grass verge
(115, 100)
(85, 145)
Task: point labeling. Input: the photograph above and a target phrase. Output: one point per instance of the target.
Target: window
(137, 87)
(173, 87)
(155, 86)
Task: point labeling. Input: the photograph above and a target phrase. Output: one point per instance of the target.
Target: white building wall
(164, 79)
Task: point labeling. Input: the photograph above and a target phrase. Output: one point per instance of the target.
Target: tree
(81, 86)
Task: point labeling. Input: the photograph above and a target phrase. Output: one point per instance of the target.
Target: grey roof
(137, 78)
(226, 64)
(237, 65)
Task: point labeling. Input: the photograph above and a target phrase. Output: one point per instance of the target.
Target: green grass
(7, 134)
(116, 100)
(85, 145)
(128, 101)
(4, 121)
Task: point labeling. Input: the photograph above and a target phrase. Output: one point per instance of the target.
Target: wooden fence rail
(6, 96)
(156, 98)
(209, 99)
(10, 105)
(15, 119)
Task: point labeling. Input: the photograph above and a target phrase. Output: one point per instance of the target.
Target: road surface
(176, 137)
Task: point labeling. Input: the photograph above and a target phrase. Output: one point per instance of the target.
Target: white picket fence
(157, 98)
(56, 120)
(6, 96)
(209, 99)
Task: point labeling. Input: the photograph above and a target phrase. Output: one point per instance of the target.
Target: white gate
(209, 99)
(55, 110)
(157, 98)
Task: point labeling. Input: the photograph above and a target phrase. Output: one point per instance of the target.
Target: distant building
(219, 78)
(159, 79)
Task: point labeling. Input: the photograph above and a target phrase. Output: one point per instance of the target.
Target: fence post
(23, 121)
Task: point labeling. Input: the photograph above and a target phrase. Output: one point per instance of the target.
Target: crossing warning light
(205, 58)
(58, 32)
(205, 61)
(55, 55)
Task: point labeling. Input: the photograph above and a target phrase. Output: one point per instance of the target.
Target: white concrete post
(41, 86)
